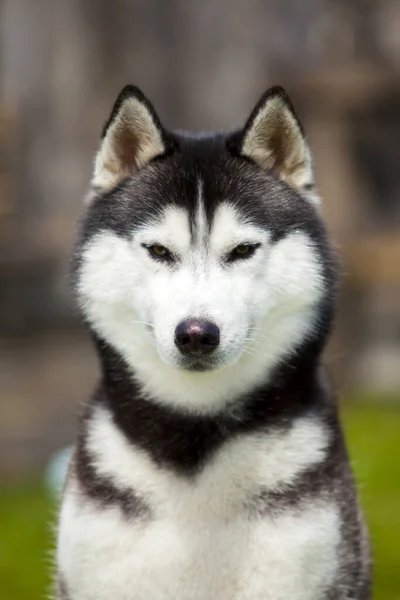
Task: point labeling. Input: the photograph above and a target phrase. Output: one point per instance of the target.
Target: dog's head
(203, 260)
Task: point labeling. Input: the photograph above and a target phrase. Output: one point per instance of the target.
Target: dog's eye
(242, 251)
(159, 252)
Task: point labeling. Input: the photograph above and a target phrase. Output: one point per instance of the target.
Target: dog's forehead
(202, 176)
(201, 187)
(175, 226)
(203, 169)
(205, 200)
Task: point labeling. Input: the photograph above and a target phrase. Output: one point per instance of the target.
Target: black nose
(196, 337)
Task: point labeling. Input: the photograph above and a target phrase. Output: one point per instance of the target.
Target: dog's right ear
(132, 137)
(273, 138)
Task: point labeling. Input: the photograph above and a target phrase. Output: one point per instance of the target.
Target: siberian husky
(210, 463)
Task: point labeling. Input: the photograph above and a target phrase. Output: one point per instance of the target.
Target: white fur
(202, 541)
(264, 306)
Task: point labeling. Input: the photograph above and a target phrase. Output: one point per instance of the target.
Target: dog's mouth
(197, 364)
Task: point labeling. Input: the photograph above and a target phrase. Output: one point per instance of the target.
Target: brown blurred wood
(49, 236)
(373, 261)
(343, 87)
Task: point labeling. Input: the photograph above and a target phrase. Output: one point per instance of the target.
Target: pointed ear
(273, 138)
(131, 138)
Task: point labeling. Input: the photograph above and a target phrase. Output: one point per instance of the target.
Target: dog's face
(203, 260)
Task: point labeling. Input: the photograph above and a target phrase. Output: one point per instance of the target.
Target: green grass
(373, 438)
(373, 435)
(26, 514)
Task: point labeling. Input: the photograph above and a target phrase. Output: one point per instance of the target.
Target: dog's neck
(184, 441)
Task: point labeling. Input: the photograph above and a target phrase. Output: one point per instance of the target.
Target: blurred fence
(204, 65)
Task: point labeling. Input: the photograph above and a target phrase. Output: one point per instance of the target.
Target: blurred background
(204, 65)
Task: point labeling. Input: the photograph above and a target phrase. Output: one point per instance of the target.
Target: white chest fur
(202, 541)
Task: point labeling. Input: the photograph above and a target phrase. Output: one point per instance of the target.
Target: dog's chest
(189, 557)
(202, 539)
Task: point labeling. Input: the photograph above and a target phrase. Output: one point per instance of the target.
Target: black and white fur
(221, 476)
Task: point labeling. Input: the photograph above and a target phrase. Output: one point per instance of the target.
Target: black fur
(62, 590)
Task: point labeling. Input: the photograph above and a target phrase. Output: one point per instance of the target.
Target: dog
(210, 463)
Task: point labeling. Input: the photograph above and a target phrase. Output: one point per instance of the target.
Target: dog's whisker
(143, 323)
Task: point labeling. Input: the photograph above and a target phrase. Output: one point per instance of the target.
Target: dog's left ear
(132, 137)
(274, 139)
